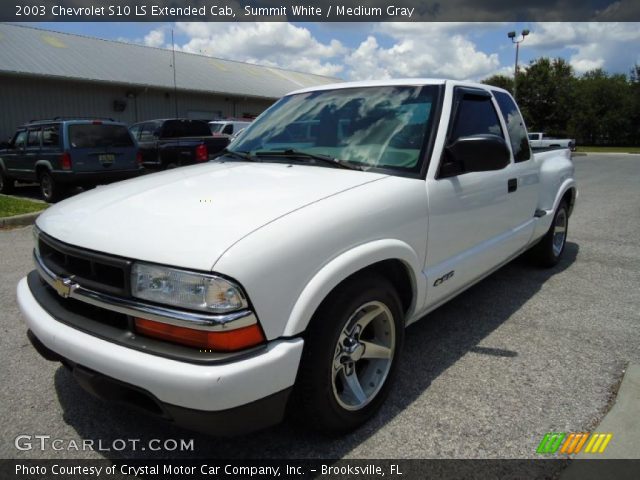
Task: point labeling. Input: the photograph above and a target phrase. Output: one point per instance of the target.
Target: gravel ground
(524, 352)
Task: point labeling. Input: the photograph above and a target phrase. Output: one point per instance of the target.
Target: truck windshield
(372, 127)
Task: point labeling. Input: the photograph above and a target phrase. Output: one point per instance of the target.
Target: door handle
(512, 185)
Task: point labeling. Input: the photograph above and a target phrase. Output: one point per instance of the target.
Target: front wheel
(351, 354)
(548, 251)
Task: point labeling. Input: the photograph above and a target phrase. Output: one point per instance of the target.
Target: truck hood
(188, 217)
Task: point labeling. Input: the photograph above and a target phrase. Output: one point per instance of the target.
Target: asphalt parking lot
(525, 352)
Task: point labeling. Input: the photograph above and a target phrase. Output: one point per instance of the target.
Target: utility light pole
(517, 41)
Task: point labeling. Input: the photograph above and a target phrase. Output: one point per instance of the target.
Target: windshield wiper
(241, 155)
(335, 162)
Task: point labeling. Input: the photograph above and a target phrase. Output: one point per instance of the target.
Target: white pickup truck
(283, 273)
(538, 140)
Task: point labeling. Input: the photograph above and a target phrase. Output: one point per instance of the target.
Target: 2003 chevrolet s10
(284, 272)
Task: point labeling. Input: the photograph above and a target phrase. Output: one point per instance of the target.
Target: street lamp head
(525, 33)
(511, 34)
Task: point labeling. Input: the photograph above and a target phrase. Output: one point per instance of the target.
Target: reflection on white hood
(188, 217)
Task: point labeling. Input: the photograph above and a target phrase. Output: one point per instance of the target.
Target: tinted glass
(135, 130)
(148, 132)
(475, 116)
(99, 135)
(228, 129)
(381, 127)
(185, 128)
(20, 140)
(33, 139)
(51, 136)
(196, 128)
(515, 127)
(216, 127)
(173, 129)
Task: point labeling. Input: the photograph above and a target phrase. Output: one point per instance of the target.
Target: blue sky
(383, 50)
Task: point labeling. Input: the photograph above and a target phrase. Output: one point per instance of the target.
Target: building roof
(33, 51)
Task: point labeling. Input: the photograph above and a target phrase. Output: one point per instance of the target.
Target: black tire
(171, 165)
(7, 185)
(50, 190)
(549, 250)
(318, 399)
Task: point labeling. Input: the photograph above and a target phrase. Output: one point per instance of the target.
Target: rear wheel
(7, 185)
(51, 190)
(350, 355)
(548, 251)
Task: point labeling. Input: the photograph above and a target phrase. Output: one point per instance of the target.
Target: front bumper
(178, 387)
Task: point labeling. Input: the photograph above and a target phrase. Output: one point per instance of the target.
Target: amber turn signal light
(221, 341)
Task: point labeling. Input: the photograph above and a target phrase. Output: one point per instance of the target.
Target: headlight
(196, 291)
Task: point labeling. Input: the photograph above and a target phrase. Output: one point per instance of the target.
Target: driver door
(469, 221)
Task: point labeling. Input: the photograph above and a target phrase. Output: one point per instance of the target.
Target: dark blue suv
(62, 153)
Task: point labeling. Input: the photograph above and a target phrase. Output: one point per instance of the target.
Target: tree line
(596, 108)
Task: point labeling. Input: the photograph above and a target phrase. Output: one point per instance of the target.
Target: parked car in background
(174, 142)
(538, 140)
(61, 153)
(343, 214)
(228, 127)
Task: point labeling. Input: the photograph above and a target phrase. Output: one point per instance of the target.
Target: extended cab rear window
(185, 128)
(99, 135)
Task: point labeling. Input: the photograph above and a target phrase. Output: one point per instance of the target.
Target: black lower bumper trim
(257, 415)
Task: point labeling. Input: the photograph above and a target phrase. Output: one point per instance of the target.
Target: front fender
(345, 265)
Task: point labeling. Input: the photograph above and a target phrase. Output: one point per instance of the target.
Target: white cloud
(155, 38)
(268, 43)
(594, 44)
(422, 50)
(405, 49)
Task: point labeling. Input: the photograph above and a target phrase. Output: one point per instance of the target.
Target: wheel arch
(570, 195)
(42, 165)
(393, 259)
(567, 191)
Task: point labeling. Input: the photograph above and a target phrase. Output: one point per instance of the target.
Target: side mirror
(478, 153)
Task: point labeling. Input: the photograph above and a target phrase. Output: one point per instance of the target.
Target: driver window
(476, 116)
(20, 140)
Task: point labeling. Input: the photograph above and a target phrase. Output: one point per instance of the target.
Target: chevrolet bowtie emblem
(62, 286)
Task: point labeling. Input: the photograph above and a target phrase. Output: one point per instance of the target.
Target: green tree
(500, 81)
(634, 94)
(604, 109)
(546, 95)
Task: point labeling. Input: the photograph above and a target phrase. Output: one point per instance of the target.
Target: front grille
(93, 270)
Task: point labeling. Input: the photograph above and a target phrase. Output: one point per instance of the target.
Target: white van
(228, 127)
